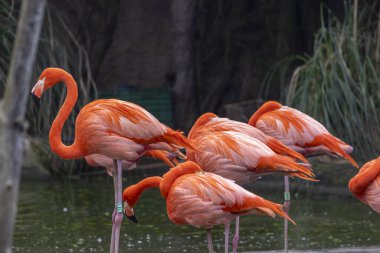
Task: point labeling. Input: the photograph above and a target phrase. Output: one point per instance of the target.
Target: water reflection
(76, 217)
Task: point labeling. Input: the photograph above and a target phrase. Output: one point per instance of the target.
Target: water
(76, 217)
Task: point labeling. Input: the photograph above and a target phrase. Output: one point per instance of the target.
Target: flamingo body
(298, 131)
(236, 155)
(107, 130)
(201, 199)
(210, 122)
(366, 184)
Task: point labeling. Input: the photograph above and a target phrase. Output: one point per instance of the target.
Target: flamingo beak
(37, 92)
(129, 212)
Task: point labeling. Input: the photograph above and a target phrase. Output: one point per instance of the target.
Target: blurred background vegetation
(318, 56)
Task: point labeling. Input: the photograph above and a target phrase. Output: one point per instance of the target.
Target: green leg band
(119, 208)
(287, 196)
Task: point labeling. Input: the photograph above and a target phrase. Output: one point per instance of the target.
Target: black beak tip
(36, 100)
(133, 218)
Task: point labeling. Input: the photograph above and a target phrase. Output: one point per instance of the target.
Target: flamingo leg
(114, 172)
(209, 241)
(287, 208)
(235, 241)
(119, 215)
(226, 233)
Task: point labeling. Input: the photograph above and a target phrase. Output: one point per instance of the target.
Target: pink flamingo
(301, 133)
(201, 199)
(366, 184)
(234, 151)
(112, 128)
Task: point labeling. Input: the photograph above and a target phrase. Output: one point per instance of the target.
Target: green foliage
(339, 83)
(58, 47)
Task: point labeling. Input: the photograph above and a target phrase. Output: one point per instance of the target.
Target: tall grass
(339, 83)
(58, 47)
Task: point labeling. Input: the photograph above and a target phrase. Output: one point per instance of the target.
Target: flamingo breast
(372, 195)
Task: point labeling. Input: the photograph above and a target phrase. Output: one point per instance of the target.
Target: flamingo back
(205, 199)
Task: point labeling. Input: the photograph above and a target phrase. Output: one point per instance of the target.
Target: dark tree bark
(12, 112)
(184, 91)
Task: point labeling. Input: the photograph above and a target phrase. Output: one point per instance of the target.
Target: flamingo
(112, 128)
(366, 184)
(301, 133)
(231, 150)
(210, 122)
(201, 199)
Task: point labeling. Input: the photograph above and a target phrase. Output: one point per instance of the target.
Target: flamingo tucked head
(47, 79)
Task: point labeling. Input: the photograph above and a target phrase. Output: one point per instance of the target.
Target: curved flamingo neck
(180, 170)
(67, 152)
(267, 107)
(202, 120)
(132, 193)
(367, 174)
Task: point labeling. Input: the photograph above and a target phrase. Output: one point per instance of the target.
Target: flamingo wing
(122, 118)
(124, 130)
(237, 152)
(290, 126)
(241, 149)
(223, 166)
(207, 199)
(224, 124)
(302, 133)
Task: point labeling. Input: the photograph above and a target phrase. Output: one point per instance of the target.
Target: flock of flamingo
(221, 154)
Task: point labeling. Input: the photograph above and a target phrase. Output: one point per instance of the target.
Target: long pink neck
(133, 192)
(181, 169)
(266, 107)
(66, 152)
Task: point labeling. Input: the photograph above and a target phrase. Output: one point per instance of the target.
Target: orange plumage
(111, 127)
(238, 151)
(202, 199)
(210, 122)
(298, 131)
(110, 133)
(366, 184)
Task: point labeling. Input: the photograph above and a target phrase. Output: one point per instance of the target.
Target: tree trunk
(184, 91)
(12, 112)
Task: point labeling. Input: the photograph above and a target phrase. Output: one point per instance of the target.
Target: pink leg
(117, 216)
(114, 174)
(235, 241)
(287, 208)
(226, 233)
(209, 241)
(112, 248)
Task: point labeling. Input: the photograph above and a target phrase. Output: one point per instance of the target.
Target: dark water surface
(75, 216)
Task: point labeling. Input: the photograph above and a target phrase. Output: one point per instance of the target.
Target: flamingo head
(128, 210)
(47, 79)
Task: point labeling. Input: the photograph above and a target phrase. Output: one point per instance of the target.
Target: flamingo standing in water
(301, 133)
(234, 151)
(111, 128)
(201, 199)
(366, 184)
